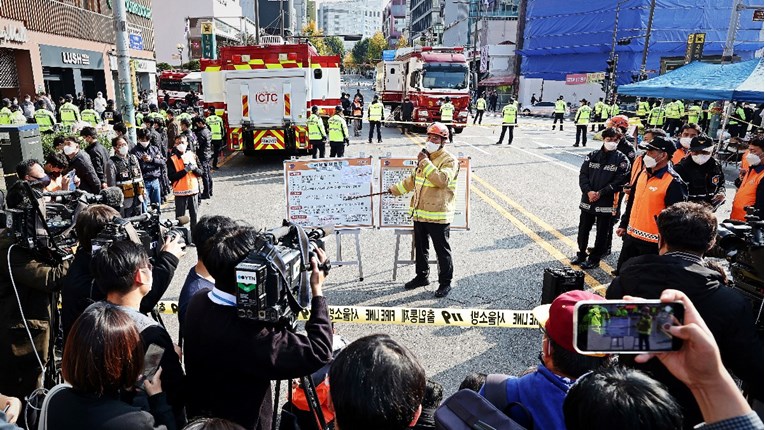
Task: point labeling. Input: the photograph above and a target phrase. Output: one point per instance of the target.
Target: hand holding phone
(151, 362)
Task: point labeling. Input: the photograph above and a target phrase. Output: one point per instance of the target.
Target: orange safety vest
(679, 155)
(648, 202)
(744, 163)
(187, 185)
(637, 167)
(746, 194)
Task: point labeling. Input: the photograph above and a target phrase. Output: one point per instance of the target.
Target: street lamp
(179, 47)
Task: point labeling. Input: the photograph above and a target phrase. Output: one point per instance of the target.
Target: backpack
(467, 409)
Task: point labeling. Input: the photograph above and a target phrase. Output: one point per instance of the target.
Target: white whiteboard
(318, 191)
(393, 210)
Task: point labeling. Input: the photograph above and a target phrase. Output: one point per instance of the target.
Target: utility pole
(611, 73)
(281, 18)
(124, 88)
(643, 74)
(727, 56)
(257, 22)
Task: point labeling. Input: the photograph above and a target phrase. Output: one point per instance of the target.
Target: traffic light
(610, 66)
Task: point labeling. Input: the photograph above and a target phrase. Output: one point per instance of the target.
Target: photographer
(231, 361)
(26, 295)
(79, 288)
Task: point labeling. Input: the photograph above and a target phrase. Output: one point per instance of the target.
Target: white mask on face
(123, 150)
(432, 146)
(649, 161)
(753, 159)
(701, 158)
(143, 144)
(69, 150)
(181, 148)
(685, 142)
(610, 146)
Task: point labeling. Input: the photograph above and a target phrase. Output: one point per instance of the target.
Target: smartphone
(151, 362)
(622, 327)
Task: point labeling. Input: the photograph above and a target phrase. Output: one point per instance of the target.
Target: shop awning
(495, 81)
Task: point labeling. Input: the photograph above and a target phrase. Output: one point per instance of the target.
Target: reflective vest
(510, 113)
(18, 118)
(643, 108)
(746, 194)
(91, 117)
(5, 116)
(605, 110)
(656, 117)
(480, 104)
(216, 126)
(598, 107)
(375, 112)
(138, 118)
(187, 185)
(583, 115)
(560, 106)
(679, 154)
(648, 201)
(184, 115)
(315, 128)
(739, 114)
(434, 182)
(447, 112)
(694, 114)
(128, 176)
(615, 109)
(69, 113)
(338, 130)
(44, 119)
(673, 111)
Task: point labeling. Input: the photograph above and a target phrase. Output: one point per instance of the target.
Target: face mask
(753, 159)
(610, 146)
(69, 150)
(41, 182)
(181, 148)
(686, 142)
(701, 158)
(432, 146)
(143, 144)
(123, 150)
(649, 161)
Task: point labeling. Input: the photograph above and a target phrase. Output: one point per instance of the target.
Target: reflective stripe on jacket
(433, 182)
(216, 126)
(315, 127)
(447, 112)
(649, 200)
(375, 111)
(187, 185)
(338, 129)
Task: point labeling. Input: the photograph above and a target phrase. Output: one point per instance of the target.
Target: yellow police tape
(500, 318)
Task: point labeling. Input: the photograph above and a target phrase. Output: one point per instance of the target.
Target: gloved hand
(347, 142)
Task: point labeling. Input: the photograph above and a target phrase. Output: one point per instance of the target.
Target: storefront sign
(12, 32)
(141, 65)
(54, 56)
(135, 8)
(576, 79)
(596, 77)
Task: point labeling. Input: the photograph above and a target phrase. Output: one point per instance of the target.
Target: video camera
(742, 245)
(273, 281)
(148, 230)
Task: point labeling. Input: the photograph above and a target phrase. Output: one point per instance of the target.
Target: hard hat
(620, 121)
(439, 129)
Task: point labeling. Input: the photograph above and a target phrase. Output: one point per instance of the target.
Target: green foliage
(376, 46)
(164, 66)
(192, 65)
(334, 46)
(47, 140)
(311, 29)
(402, 42)
(360, 51)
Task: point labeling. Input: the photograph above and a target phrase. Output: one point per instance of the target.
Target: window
(444, 75)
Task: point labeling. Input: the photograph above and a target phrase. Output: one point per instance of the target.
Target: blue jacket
(542, 393)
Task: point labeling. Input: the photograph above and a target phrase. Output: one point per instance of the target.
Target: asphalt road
(524, 217)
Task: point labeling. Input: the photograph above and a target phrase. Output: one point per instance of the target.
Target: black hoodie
(726, 312)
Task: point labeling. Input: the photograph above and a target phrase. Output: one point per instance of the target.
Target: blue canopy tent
(703, 81)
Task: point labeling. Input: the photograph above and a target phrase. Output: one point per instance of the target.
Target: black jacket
(605, 172)
(727, 314)
(407, 109)
(99, 156)
(626, 148)
(231, 362)
(204, 144)
(151, 169)
(191, 138)
(676, 192)
(83, 166)
(704, 181)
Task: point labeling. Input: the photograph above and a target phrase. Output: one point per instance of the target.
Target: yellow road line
(536, 220)
(227, 159)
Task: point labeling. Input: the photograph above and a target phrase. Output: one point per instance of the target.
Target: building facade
(67, 47)
(351, 17)
(424, 18)
(394, 21)
(270, 18)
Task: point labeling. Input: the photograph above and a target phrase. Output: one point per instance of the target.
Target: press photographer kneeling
(231, 356)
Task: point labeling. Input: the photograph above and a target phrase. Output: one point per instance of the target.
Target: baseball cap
(700, 143)
(557, 318)
(659, 143)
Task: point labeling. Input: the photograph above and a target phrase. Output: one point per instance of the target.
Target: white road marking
(548, 159)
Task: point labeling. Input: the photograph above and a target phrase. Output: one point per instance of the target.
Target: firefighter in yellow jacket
(432, 207)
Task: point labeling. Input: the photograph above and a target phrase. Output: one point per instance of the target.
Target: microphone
(112, 196)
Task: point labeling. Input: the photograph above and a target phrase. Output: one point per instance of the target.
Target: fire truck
(265, 92)
(177, 85)
(426, 74)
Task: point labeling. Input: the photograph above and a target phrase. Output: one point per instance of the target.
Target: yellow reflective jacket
(433, 182)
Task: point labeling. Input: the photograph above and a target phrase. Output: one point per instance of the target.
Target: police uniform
(480, 108)
(656, 117)
(70, 114)
(337, 134)
(674, 112)
(91, 117)
(5, 116)
(604, 172)
(694, 114)
(216, 130)
(581, 120)
(509, 121)
(374, 115)
(45, 120)
(560, 110)
(447, 117)
(599, 106)
(316, 135)
(642, 109)
(704, 181)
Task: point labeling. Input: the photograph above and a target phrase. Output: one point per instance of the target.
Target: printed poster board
(317, 192)
(393, 210)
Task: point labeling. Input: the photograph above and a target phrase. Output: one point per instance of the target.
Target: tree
(192, 65)
(310, 30)
(164, 66)
(335, 46)
(348, 61)
(360, 51)
(402, 42)
(376, 46)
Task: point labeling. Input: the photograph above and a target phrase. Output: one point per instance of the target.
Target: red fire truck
(266, 91)
(426, 74)
(177, 85)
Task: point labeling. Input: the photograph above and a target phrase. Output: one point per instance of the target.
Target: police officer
(5, 112)
(599, 106)
(70, 114)
(447, 115)
(605, 112)
(656, 116)
(337, 133)
(509, 121)
(656, 188)
(216, 130)
(642, 109)
(480, 108)
(316, 134)
(375, 115)
(674, 113)
(601, 177)
(17, 116)
(432, 207)
(560, 110)
(703, 173)
(695, 112)
(44, 118)
(581, 120)
(90, 115)
(614, 109)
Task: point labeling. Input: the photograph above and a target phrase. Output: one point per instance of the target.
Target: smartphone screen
(151, 360)
(621, 327)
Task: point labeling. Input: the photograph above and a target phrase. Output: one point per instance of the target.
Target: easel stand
(355, 232)
(396, 260)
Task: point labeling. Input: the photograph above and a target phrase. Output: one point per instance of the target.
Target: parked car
(543, 109)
